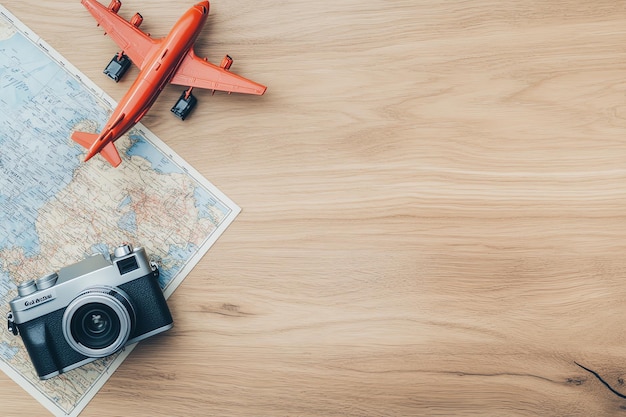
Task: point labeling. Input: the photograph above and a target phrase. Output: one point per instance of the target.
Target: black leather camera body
(89, 310)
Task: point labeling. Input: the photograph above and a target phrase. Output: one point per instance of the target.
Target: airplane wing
(135, 43)
(196, 72)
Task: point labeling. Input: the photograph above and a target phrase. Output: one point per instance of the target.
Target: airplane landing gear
(185, 104)
(118, 66)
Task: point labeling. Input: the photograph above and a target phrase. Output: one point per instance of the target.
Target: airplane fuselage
(159, 68)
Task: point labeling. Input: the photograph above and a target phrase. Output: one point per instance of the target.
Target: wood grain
(433, 219)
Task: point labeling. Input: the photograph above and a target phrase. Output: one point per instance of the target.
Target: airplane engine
(120, 63)
(184, 105)
(227, 61)
(136, 20)
(115, 5)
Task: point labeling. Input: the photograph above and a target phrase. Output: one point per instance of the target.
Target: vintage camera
(89, 310)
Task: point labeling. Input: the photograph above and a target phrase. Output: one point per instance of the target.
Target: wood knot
(576, 381)
(230, 307)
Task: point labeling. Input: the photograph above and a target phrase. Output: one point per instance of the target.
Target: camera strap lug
(155, 268)
(11, 324)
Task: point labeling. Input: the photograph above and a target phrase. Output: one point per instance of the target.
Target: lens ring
(98, 322)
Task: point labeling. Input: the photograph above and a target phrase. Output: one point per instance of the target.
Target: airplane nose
(89, 156)
(203, 7)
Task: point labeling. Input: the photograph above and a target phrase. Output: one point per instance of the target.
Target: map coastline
(55, 210)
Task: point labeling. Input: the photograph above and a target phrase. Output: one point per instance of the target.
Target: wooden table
(434, 199)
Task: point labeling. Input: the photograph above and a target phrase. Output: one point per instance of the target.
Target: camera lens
(95, 326)
(98, 322)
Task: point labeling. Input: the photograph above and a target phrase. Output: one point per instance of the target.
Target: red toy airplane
(161, 61)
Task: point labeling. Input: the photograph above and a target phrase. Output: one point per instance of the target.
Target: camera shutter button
(47, 281)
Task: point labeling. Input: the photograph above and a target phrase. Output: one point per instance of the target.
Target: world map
(55, 210)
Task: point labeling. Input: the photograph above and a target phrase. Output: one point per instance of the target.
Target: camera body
(89, 310)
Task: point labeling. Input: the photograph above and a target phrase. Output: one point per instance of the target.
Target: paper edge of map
(171, 287)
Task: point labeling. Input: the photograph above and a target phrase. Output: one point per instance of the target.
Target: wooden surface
(433, 199)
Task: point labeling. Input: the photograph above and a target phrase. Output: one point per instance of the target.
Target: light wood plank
(433, 201)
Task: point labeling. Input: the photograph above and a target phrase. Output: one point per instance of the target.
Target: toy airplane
(161, 61)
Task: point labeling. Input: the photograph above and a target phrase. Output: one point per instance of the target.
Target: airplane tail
(87, 140)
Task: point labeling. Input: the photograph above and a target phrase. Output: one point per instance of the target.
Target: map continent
(55, 210)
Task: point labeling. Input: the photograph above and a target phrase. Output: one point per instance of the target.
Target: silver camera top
(56, 290)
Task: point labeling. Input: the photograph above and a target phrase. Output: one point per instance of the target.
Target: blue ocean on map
(54, 207)
(100, 248)
(6, 284)
(125, 202)
(7, 351)
(128, 222)
(204, 200)
(160, 163)
(179, 256)
(29, 85)
(32, 84)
